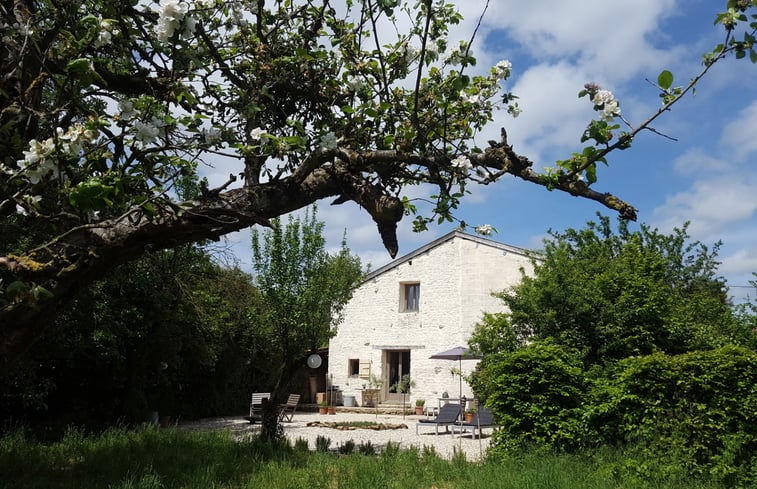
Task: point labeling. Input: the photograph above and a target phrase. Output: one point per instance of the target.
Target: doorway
(397, 364)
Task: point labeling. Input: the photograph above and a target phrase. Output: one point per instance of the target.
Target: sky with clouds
(702, 175)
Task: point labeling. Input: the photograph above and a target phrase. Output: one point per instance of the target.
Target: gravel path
(444, 444)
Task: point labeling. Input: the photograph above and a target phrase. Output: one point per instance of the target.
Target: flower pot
(468, 417)
(322, 410)
(419, 410)
(332, 410)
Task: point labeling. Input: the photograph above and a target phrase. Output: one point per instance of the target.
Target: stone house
(423, 303)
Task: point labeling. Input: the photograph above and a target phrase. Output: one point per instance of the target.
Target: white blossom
(502, 69)
(38, 161)
(170, 15)
(126, 109)
(462, 162)
(328, 141)
(145, 133)
(107, 31)
(484, 229)
(355, 84)
(606, 103)
(257, 134)
(470, 99)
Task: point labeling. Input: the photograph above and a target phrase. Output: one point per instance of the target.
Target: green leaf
(752, 56)
(665, 79)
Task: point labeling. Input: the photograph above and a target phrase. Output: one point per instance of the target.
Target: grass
(151, 458)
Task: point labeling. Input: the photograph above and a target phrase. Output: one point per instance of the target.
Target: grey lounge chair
(482, 419)
(448, 415)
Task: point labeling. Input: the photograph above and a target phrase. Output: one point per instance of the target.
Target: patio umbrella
(458, 353)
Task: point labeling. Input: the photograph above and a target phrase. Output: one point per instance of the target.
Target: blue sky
(704, 177)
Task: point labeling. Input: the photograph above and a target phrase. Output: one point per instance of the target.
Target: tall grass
(151, 458)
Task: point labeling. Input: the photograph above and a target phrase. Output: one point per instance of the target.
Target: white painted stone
(457, 274)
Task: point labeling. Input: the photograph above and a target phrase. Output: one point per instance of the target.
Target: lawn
(152, 458)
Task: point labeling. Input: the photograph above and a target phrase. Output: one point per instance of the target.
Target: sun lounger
(482, 419)
(448, 415)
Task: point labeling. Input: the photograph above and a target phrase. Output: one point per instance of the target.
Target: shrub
(694, 410)
(537, 393)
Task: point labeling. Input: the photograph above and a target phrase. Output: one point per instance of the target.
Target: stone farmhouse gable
(423, 303)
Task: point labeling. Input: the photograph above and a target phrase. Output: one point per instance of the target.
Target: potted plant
(371, 394)
(403, 386)
(323, 407)
(469, 414)
(331, 409)
(419, 404)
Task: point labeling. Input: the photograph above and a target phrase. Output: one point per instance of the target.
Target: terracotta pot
(322, 410)
(418, 410)
(468, 417)
(332, 410)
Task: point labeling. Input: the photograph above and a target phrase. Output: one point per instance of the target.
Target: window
(411, 296)
(353, 366)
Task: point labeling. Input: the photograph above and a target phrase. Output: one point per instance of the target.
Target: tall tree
(305, 289)
(613, 295)
(104, 105)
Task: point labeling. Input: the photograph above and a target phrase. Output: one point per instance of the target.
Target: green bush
(695, 410)
(537, 393)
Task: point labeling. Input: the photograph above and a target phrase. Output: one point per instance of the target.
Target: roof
(440, 241)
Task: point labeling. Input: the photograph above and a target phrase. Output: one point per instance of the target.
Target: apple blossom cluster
(171, 15)
(257, 134)
(606, 103)
(462, 162)
(146, 132)
(40, 160)
(502, 69)
(469, 99)
(484, 229)
(107, 31)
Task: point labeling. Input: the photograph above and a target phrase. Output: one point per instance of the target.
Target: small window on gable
(353, 367)
(411, 296)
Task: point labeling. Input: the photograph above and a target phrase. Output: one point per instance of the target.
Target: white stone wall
(456, 280)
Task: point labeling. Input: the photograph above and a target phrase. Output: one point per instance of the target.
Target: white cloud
(614, 36)
(740, 134)
(711, 205)
(696, 162)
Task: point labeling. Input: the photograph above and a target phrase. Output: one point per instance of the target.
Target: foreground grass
(166, 459)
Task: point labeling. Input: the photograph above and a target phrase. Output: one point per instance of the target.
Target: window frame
(410, 302)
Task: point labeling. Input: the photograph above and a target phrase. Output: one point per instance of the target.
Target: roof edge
(439, 241)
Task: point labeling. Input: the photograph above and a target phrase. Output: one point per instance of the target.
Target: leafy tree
(305, 289)
(169, 332)
(105, 106)
(616, 295)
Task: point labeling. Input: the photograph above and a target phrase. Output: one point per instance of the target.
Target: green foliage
(173, 459)
(164, 334)
(322, 443)
(305, 289)
(695, 411)
(537, 393)
(612, 295)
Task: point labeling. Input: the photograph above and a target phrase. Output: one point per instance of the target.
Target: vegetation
(105, 107)
(624, 340)
(304, 289)
(151, 458)
(158, 335)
